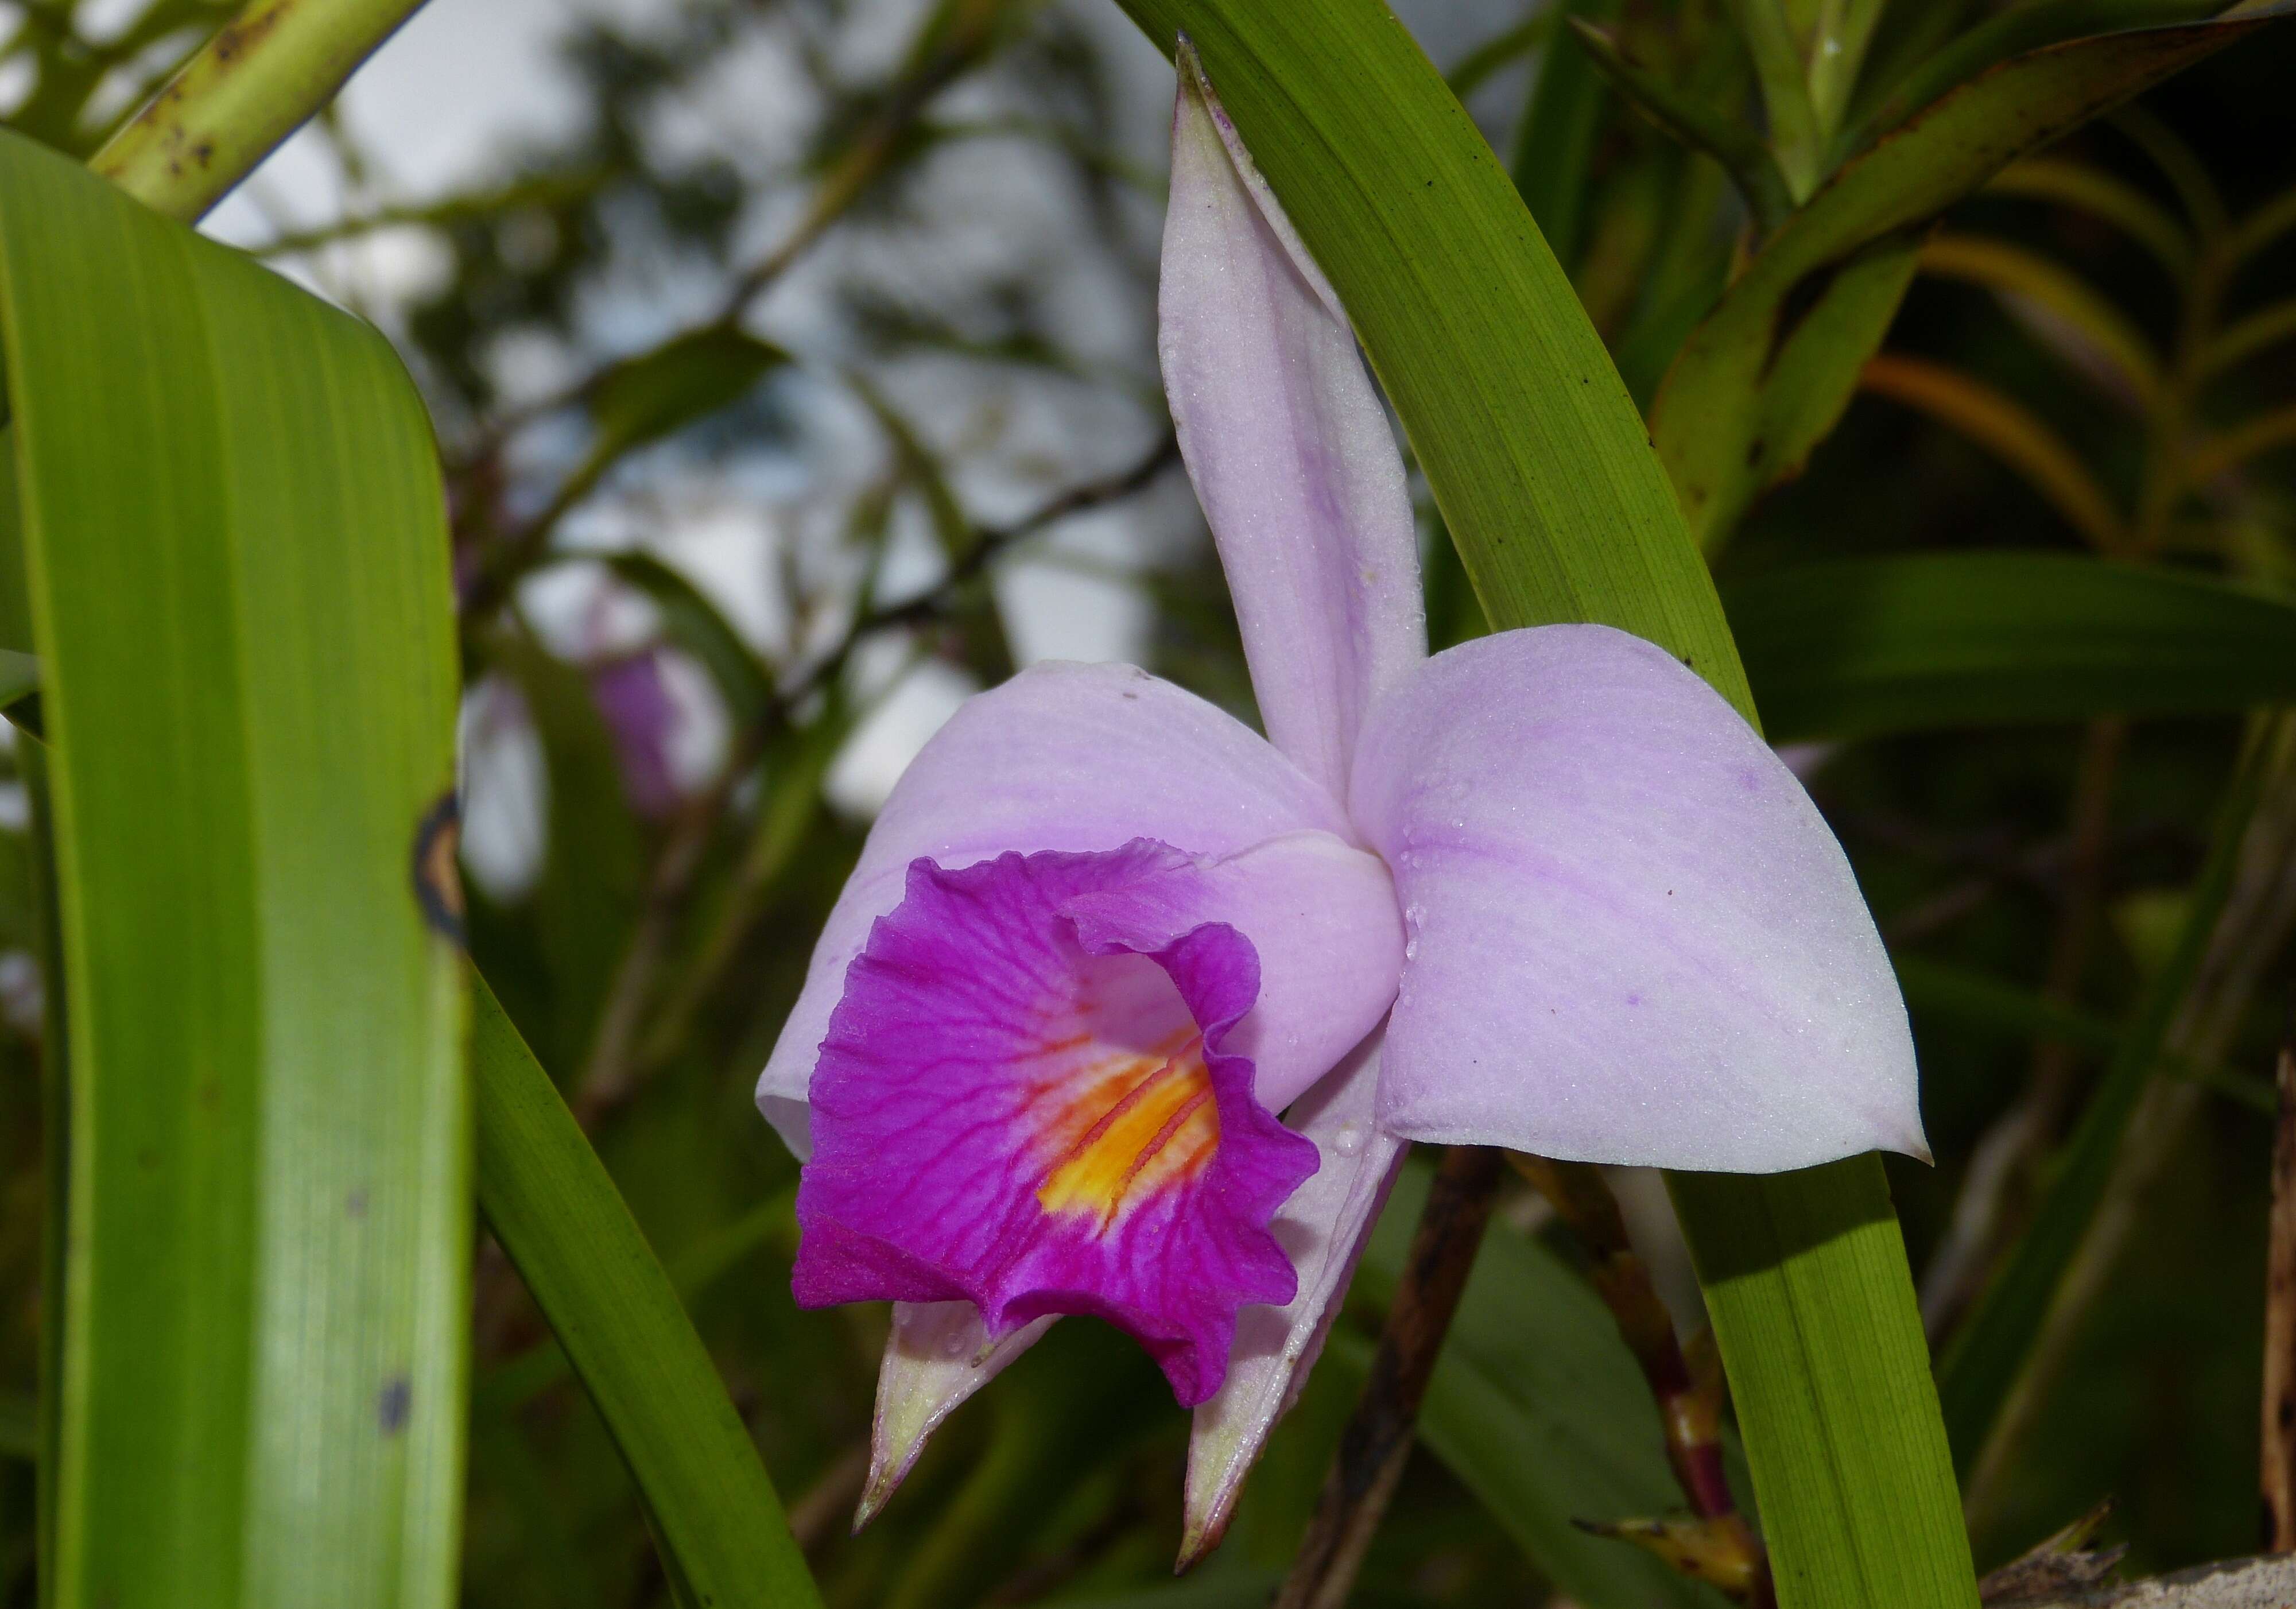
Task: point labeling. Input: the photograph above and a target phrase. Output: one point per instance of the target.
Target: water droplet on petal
(1348, 1141)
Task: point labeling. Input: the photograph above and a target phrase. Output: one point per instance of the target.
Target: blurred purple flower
(639, 711)
(1544, 890)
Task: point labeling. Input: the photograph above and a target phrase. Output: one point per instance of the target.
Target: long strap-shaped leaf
(1560, 512)
(716, 1517)
(1857, 647)
(233, 533)
(556, 1213)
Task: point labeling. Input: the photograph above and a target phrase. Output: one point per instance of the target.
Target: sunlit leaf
(237, 557)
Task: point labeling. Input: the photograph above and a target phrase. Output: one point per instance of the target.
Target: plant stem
(1721, 1548)
(263, 74)
(1377, 1438)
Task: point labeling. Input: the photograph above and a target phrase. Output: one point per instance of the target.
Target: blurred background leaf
(1858, 648)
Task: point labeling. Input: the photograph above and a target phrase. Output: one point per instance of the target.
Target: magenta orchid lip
(1544, 890)
(1025, 1102)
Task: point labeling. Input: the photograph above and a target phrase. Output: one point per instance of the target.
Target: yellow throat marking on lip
(1141, 1122)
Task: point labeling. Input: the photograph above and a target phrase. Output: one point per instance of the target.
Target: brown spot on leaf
(392, 1402)
(437, 878)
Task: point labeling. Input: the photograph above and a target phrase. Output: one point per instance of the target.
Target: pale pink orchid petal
(1061, 757)
(1288, 447)
(1546, 891)
(939, 1354)
(1323, 1228)
(1632, 938)
(1321, 916)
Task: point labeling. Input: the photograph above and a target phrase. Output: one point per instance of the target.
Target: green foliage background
(2106, 376)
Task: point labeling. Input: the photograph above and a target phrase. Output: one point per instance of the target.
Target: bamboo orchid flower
(1545, 890)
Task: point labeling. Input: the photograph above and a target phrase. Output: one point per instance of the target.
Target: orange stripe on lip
(1151, 1123)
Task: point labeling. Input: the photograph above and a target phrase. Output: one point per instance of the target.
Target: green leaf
(55, 1139)
(1982, 1365)
(593, 870)
(1807, 1272)
(15, 606)
(1794, 132)
(1979, 1000)
(1698, 127)
(771, 1222)
(1764, 379)
(1538, 462)
(1856, 648)
(1538, 1408)
(654, 395)
(1836, 50)
(236, 553)
(1554, 142)
(2015, 31)
(551, 1205)
(20, 674)
(644, 399)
